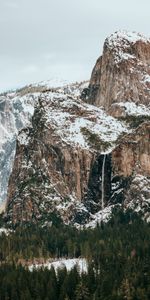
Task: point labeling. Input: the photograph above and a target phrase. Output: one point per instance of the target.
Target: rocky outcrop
(131, 170)
(47, 176)
(55, 172)
(15, 113)
(132, 156)
(58, 162)
(122, 73)
(74, 159)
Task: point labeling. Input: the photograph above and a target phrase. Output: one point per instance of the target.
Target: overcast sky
(43, 39)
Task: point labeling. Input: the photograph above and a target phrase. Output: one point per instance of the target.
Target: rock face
(131, 169)
(77, 160)
(46, 173)
(58, 164)
(15, 113)
(133, 153)
(122, 73)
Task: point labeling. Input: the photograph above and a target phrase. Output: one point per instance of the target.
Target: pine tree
(126, 291)
(82, 292)
(91, 281)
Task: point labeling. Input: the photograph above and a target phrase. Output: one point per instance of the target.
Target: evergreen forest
(118, 256)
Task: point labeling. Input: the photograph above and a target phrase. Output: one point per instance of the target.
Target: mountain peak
(126, 37)
(122, 73)
(73, 159)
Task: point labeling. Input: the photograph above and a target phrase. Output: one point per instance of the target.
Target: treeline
(113, 283)
(118, 254)
(125, 232)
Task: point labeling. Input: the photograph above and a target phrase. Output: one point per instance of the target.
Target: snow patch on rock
(134, 109)
(69, 118)
(120, 42)
(126, 37)
(15, 113)
(101, 216)
(140, 188)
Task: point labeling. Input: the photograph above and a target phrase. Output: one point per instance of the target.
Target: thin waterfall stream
(103, 181)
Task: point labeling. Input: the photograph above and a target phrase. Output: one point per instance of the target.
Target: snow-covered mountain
(15, 113)
(74, 134)
(122, 73)
(82, 148)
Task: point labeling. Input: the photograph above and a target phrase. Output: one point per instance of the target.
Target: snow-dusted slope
(75, 122)
(78, 133)
(15, 113)
(68, 135)
(132, 109)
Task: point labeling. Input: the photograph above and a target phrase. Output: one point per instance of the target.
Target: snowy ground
(101, 216)
(5, 231)
(81, 264)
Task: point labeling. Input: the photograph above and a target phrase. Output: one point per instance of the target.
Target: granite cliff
(122, 73)
(59, 160)
(86, 148)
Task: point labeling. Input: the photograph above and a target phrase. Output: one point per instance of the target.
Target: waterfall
(103, 180)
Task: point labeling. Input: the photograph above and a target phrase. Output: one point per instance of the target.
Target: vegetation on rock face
(117, 253)
(134, 121)
(94, 140)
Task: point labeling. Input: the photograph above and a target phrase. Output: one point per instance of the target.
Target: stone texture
(15, 113)
(51, 175)
(131, 171)
(122, 73)
(132, 155)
